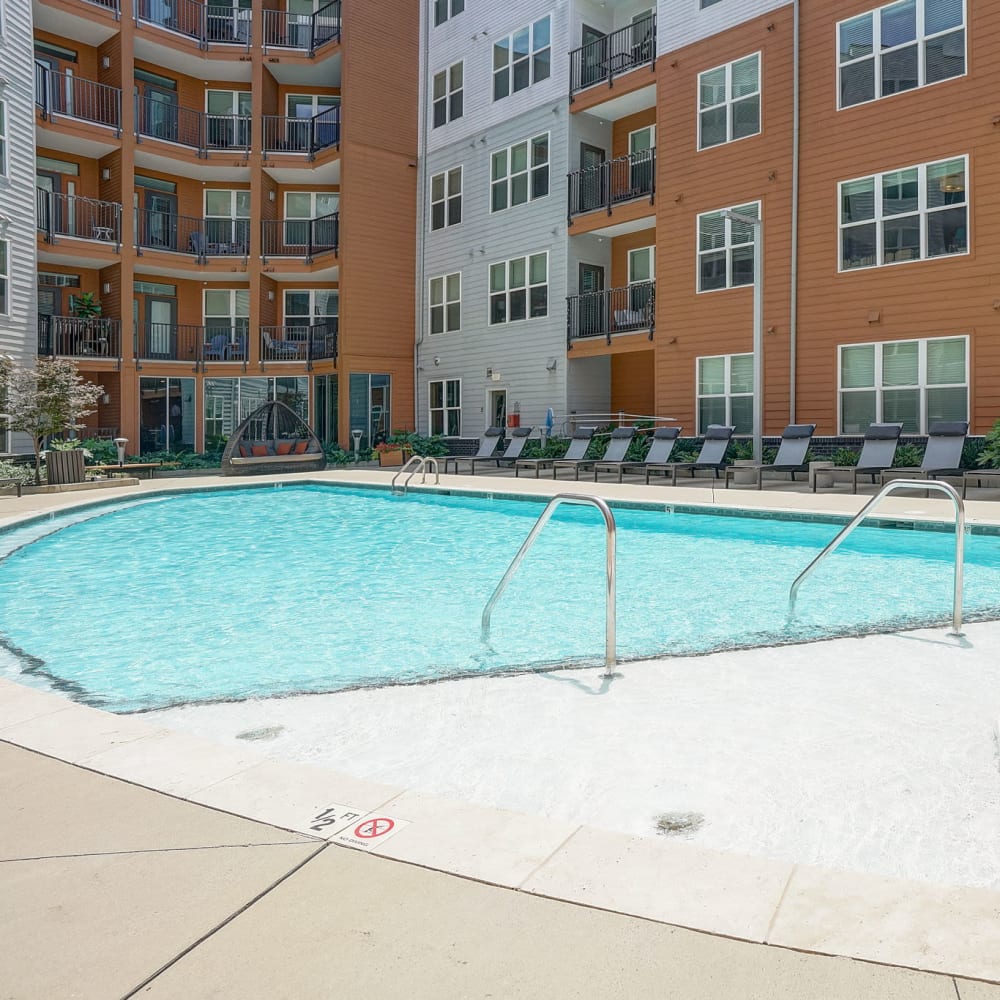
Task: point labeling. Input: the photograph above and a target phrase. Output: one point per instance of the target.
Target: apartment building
(849, 134)
(228, 184)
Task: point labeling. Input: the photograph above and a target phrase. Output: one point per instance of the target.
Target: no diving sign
(370, 831)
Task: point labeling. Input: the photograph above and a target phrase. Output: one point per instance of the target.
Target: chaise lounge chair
(518, 439)
(487, 446)
(942, 456)
(660, 447)
(791, 457)
(876, 456)
(576, 450)
(712, 455)
(618, 444)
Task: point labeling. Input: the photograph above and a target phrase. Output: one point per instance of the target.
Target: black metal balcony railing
(302, 135)
(206, 23)
(111, 5)
(612, 182)
(76, 217)
(72, 337)
(185, 342)
(610, 311)
(62, 94)
(306, 32)
(199, 130)
(301, 237)
(299, 343)
(184, 234)
(621, 51)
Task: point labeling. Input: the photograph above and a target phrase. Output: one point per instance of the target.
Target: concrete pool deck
(774, 905)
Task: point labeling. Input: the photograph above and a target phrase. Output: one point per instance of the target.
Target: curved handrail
(609, 521)
(898, 484)
(404, 468)
(420, 464)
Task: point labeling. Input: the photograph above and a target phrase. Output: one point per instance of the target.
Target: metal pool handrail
(420, 464)
(900, 484)
(609, 521)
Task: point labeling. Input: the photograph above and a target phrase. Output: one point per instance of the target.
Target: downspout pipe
(421, 291)
(793, 295)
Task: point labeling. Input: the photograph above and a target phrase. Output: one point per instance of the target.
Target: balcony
(299, 343)
(193, 344)
(111, 5)
(302, 135)
(611, 311)
(67, 215)
(198, 130)
(62, 95)
(620, 52)
(73, 337)
(207, 24)
(613, 182)
(302, 238)
(201, 238)
(302, 32)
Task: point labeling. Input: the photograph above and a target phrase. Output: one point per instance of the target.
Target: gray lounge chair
(791, 457)
(487, 446)
(518, 439)
(712, 455)
(876, 456)
(660, 447)
(576, 450)
(618, 444)
(942, 456)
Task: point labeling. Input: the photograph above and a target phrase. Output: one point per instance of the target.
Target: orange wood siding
(632, 382)
(622, 128)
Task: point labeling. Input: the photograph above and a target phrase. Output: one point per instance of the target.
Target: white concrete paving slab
(19, 703)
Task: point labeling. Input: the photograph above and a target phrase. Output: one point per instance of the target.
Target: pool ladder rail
(415, 464)
(901, 484)
(610, 658)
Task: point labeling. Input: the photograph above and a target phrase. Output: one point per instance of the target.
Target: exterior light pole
(758, 325)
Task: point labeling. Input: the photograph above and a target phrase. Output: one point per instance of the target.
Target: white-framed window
(305, 307)
(729, 102)
(709, 3)
(3, 136)
(519, 173)
(523, 58)
(913, 382)
(519, 288)
(448, 95)
(446, 303)
(226, 310)
(725, 392)
(725, 248)
(905, 215)
(4, 277)
(444, 9)
(444, 403)
(227, 219)
(903, 45)
(446, 198)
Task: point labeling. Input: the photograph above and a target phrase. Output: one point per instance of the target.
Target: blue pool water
(254, 592)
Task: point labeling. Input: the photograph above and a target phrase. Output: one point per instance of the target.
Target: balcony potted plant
(91, 334)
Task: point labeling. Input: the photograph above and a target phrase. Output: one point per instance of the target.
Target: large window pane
(711, 376)
(856, 38)
(742, 414)
(944, 57)
(901, 239)
(857, 411)
(857, 366)
(858, 247)
(939, 15)
(746, 118)
(899, 23)
(946, 183)
(711, 411)
(946, 361)
(714, 127)
(902, 406)
(946, 232)
(857, 83)
(899, 70)
(947, 404)
(901, 363)
(741, 373)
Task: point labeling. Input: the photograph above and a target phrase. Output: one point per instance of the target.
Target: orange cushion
(259, 450)
(285, 447)
(244, 450)
(301, 447)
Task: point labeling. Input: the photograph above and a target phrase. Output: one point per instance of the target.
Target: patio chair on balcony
(278, 350)
(215, 349)
(198, 244)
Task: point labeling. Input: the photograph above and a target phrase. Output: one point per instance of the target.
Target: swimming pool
(254, 592)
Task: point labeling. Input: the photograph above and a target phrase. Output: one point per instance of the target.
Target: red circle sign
(373, 827)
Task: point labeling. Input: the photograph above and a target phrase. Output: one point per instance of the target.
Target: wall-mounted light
(270, 196)
(105, 62)
(105, 173)
(4, 223)
(550, 365)
(105, 399)
(270, 295)
(437, 361)
(106, 288)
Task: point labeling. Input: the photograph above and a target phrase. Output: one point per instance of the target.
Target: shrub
(433, 446)
(989, 455)
(845, 456)
(24, 474)
(908, 456)
(971, 452)
(102, 451)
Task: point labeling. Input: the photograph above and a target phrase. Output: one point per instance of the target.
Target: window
(227, 312)
(519, 173)
(904, 215)
(725, 249)
(729, 102)
(708, 3)
(913, 382)
(4, 277)
(522, 59)
(445, 404)
(305, 307)
(443, 9)
(448, 95)
(227, 220)
(3, 138)
(725, 392)
(900, 46)
(519, 288)
(446, 303)
(446, 199)
(228, 401)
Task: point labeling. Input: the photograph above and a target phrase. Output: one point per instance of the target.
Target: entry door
(595, 56)
(497, 408)
(593, 182)
(161, 113)
(593, 307)
(49, 305)
(49, 204)
(160, 220)
(640, 144)
(228, 118)
(161, 327)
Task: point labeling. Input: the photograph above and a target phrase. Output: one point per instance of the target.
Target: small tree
(45, 400)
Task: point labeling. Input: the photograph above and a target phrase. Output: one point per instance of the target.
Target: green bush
(24, 474)
(102, 451)
(908, 456)
(433, 446)
(989, 455)
(971, 452)
(845, 456)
